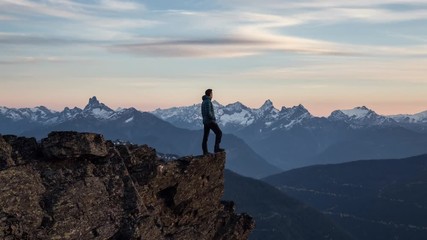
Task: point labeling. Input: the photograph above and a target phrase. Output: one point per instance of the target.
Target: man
(209, 123)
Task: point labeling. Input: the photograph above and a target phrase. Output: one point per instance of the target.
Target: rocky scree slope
(79, 186)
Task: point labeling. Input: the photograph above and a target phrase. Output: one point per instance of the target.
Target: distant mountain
(408, 118)
(416, 122)
(378, 200)
(13, 120)
(236, 116)
(361, 116)
(278, 216)
(144, 128)
(97, 110)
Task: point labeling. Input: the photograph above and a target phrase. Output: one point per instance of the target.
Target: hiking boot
(219, 150)
(206, 153)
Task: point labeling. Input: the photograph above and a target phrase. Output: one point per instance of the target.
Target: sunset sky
(324, 54)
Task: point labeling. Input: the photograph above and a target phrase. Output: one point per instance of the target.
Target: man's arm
(211, 114)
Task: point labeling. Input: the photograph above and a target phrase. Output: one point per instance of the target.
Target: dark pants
(218, 135)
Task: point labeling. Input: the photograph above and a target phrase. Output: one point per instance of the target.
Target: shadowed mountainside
(277, 215)
(372, 199)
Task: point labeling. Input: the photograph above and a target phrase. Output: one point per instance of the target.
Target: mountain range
(371, 199)
(287, 138)
(233, 117)
(134, 126)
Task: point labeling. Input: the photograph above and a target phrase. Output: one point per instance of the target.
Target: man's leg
(206, 130)
(218, 136)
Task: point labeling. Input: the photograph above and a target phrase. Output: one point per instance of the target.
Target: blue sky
(325, 54)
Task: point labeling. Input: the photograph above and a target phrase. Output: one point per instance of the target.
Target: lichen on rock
(79, 186)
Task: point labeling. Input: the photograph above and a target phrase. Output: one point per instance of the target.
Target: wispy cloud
(318, 3)
(87, 14)
(333, 11)
(337, 3)
(253, 41)
(6, 18)
(121, 5)
(33, 60)
(214, 47)
(37, 39)
(67, 8)
(226, 33)
(74, 22)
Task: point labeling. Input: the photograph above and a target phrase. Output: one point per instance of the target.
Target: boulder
(73, 145)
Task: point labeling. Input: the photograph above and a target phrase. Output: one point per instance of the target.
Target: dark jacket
(207, 110)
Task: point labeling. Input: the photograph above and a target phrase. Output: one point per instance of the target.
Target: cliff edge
(79, 186)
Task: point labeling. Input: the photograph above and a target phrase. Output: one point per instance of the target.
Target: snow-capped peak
(3, 110)
(217, 104)
(357, 112)
(294, 111)
(267, 104)
(97, 109)
(360, 116)
(94, 103)
(300, 107)
(411, 118)
(235, 107)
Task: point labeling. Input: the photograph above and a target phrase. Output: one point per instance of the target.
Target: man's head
(209, 93)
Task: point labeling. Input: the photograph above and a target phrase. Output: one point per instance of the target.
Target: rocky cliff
(79, 186)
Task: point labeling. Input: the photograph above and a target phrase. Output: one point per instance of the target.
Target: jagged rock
(5, 154)
(23, 148)
(73, 145)
(111, 192)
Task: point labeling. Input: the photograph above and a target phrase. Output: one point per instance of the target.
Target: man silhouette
(209, 123)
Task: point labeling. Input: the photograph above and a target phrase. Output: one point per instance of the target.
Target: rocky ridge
(79, 186)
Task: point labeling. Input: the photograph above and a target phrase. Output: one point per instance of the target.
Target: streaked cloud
(6, 18)
(36, 39)
(67, 8)
(226, 33)
(224, 47)
(332, 11)
(33, 60)
(257, 44)
(319, 3)
(86, 14)
(121, 5)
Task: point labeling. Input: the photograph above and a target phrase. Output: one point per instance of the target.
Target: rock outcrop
(79, 186)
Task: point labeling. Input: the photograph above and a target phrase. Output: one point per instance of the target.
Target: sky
(323, 54)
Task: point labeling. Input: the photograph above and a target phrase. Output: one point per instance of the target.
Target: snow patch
(52, 121)
(14, 116)
(241, 118)
(356, 112)
(101, 113)
(3, 110)
(129, 120)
